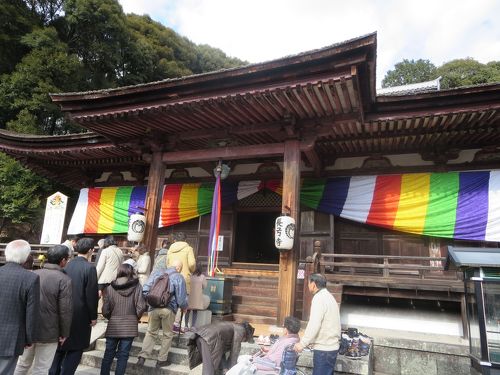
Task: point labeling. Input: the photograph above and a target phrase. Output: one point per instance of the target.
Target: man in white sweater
(323, 328)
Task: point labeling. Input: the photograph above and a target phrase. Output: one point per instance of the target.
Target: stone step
(175, 355)
(93, 359)
(176, 343)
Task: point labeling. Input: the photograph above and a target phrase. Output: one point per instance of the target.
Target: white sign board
(53, 223)
(220, 243)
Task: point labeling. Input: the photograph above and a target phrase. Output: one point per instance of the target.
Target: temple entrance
(255, 238)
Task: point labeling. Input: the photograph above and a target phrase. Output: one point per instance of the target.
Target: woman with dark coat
(123, 305)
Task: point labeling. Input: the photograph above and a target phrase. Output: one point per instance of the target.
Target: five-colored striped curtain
(461, 205)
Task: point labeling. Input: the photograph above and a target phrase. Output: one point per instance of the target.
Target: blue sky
(262, 30)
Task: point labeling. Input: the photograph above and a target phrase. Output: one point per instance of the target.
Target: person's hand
(298, 347)
(93, 323)
(100, 293)
(62, 340)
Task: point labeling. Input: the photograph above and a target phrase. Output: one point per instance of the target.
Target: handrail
(384, 266)
(4, 244)
(403, 257)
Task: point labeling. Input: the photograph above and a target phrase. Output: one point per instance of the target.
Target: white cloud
(260, 30)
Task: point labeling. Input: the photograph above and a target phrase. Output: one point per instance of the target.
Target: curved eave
(67, 157)
(340, 56)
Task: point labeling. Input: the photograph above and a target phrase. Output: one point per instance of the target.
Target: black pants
(65, 362)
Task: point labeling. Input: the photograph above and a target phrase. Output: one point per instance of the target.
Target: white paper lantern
(136, 227)
(284, 231)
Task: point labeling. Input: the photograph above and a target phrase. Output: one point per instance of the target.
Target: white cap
(132, 262)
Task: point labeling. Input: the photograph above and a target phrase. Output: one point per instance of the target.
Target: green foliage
(21, 194)
(210, 59)
(46, 10)
(24, 101)
(91, 45)
(15, 21)
(97, 33)
(455, 73)
(467, 72)
(409, 71)
(165, 54)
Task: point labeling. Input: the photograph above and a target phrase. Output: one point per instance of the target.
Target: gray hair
(17, 251)
(318, 279)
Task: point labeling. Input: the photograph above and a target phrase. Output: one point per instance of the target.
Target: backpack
(159, 294)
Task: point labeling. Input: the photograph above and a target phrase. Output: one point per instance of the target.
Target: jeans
(324, 362)
(119, 347)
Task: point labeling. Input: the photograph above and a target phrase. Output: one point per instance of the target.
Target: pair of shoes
(176, 328)
(163, 363)
(263, 340)
(140, 361)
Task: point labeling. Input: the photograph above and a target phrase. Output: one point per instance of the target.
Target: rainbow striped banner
(460, 205)
(107, 210)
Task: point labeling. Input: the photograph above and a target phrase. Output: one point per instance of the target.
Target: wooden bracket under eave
(314, 161)
(355, 80)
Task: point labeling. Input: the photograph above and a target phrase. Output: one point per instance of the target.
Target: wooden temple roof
(325, 98)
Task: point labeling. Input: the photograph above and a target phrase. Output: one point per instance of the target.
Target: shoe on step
(163, 363)
(140, 361)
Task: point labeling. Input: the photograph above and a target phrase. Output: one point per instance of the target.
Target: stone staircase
(92, 359)
(177, 355)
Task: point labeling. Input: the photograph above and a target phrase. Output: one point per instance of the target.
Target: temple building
(379, 184)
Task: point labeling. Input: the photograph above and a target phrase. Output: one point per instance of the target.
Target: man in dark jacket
(210, 343)
(20, 297)
(84, 284)
(55, 313)
(163, 316)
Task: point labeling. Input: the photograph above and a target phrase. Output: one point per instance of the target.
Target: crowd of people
(49, 313)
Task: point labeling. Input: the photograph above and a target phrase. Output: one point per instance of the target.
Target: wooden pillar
(156, 179)
(289, 259)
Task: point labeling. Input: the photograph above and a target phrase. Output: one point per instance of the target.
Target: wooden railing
(386, 266)
(418, 274)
